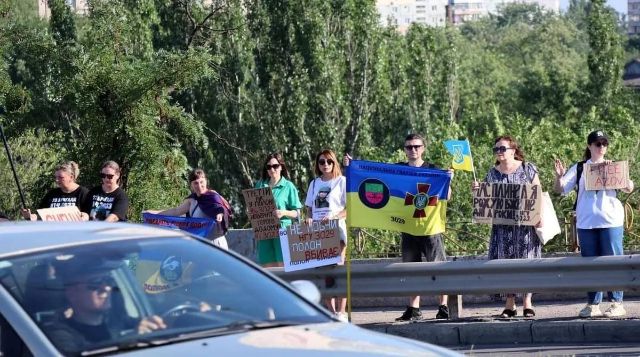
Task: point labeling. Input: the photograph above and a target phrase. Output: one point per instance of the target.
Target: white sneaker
(342, 316)
(591, 311)
(615, 310)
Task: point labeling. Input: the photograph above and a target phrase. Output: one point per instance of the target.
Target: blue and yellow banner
(461, 151)
(198, 226)
(397, 197)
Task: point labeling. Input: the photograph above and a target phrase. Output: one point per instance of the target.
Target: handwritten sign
(606, 177)
(261, 211)
(60, 214)
(506, 203)
(309, 246)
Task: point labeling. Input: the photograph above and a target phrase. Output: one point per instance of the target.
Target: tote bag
(550, 226)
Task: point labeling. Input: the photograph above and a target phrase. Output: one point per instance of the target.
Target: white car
(102, 288)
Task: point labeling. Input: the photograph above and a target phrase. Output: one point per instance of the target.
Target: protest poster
(198, 226)
(60, 214)
(261, 211)
(308, 246)
(507, 203)
(606, 177)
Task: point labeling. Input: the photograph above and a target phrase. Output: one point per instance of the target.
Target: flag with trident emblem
(461, 151)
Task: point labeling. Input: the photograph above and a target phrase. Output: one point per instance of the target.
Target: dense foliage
(161, 86)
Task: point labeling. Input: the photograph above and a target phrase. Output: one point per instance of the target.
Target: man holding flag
(410, 201)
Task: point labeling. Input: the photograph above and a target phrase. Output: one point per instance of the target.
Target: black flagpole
(10, 157)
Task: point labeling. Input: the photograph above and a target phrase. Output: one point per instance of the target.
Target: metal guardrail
(476, 277)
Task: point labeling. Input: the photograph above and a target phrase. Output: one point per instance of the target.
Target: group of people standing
(105, 202)
(599, 213)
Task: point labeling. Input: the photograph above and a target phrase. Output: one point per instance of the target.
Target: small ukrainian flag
(461, 151)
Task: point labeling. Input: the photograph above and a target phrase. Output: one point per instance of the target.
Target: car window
(10, 343)
(106, 294)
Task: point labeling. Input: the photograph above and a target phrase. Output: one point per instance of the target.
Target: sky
(619, 5)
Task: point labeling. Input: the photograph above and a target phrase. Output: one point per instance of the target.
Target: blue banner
(198, 226)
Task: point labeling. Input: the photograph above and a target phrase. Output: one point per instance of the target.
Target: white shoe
(342, 316)
(615, 310)
(591, 311)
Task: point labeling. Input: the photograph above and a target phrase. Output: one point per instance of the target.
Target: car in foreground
(100, 288)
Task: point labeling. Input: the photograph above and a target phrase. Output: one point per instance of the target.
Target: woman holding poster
(326, 200)
(599, 218)
(288, 205)
(513, 241)
(107, 202)
(68, 193)
(204, 203)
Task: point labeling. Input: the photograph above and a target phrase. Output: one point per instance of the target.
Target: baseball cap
(75, 269)
(597, 135)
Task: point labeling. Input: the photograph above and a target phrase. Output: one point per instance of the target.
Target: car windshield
(146, 292)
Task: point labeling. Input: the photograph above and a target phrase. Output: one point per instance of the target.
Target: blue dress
(514, 242)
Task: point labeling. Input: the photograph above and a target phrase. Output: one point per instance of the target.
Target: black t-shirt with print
(100, 204)
(58, 198)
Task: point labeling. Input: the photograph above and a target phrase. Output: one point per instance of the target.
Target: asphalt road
(582, 350)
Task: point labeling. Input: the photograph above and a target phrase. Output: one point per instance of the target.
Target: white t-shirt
(328, 198)
(595, 209)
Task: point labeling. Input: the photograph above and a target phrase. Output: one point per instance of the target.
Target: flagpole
(348, 253)
(473, 167)
(10, 158)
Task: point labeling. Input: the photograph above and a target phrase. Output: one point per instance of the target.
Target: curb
(475, 332)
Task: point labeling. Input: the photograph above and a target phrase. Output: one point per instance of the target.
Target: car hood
(338, 339)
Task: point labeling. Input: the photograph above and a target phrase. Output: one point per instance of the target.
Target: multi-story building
(633, 17)
(403, 13)
(78, 6)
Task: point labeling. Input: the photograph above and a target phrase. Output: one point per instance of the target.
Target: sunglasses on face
(327, 162)
(108, 176)
(274, 166)
(97, 283)
(500, 149)
(601, 144)
(412, 147)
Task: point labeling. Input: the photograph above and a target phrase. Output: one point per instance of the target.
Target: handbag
(550, 226)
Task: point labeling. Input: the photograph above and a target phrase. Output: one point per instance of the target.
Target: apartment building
(633, 17)
(402, 13)
(78, 6)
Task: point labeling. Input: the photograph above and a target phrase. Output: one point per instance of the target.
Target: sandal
(529, 313)
(507, 313)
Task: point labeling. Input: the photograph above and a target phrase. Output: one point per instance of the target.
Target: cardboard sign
(261, 211)
(606, 177)
(60, 214)
(308, 246)
(507, 203)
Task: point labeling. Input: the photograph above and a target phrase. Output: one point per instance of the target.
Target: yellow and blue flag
(397, 197)
(461, 151)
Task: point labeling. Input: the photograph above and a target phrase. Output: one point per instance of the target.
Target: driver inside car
(89, 290)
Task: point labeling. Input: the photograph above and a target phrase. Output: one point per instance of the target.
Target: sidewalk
(555, 322)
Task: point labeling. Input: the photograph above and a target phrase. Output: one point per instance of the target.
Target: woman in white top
(599, 218)
(327, 199)
(205, 203)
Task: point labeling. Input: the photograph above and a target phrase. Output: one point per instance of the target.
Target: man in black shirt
(413, 247)
(88, 323)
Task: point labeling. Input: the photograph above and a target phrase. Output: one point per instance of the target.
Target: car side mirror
(307, 289)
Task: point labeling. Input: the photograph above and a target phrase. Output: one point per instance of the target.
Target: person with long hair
(326, 200)
(68, 193)
(204, 202)
(599, 218)
(513, 241)
(107, 202)
(274, 174)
